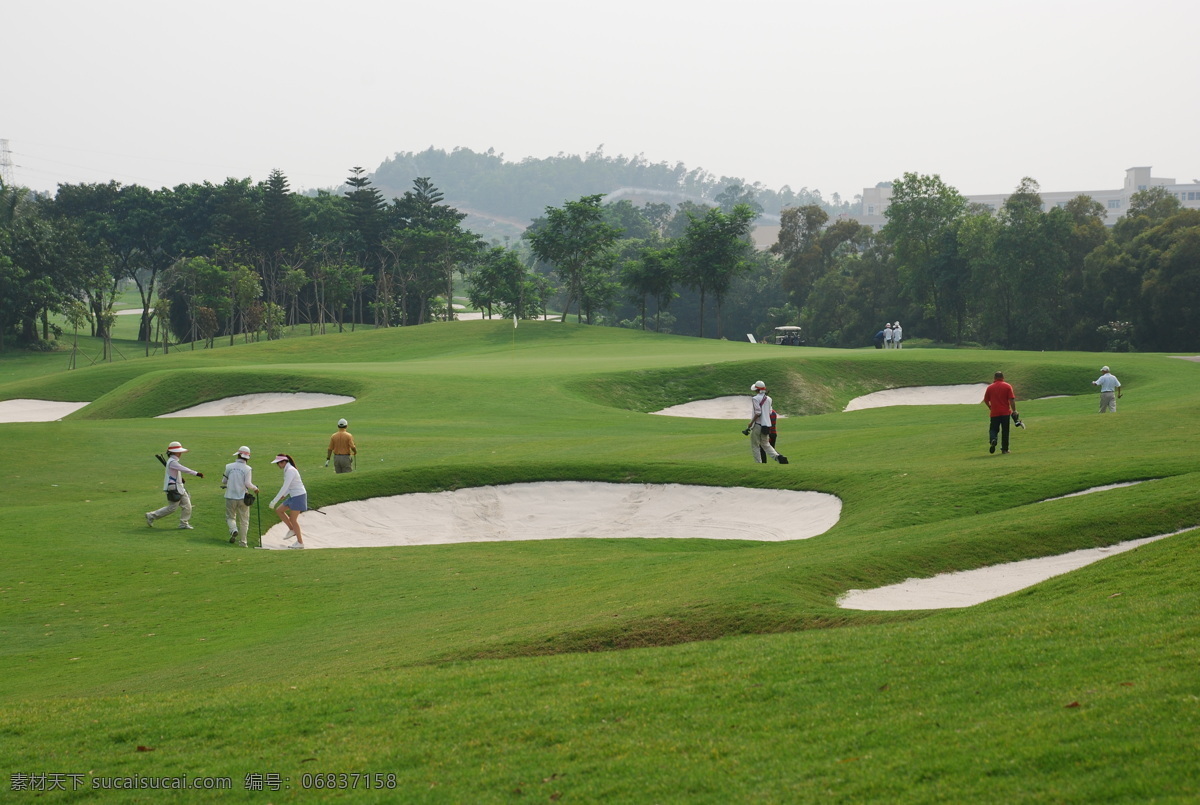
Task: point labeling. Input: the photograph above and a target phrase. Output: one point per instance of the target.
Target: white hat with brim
(243, 451)
(278, 459)
(176, 447)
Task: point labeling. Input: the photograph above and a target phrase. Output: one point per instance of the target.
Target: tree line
(248, 259)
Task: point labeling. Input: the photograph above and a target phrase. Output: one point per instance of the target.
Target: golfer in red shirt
(1002, 403)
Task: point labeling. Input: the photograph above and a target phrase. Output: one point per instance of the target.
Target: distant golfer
(887, 335)
(774, 434)
(342, 448)
(1110, 390)
(177, 494)
(294, 497)
(237, 485)
(1002, 403)
(759, 429)
(897, 336)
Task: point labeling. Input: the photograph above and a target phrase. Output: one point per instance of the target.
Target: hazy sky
(830, 96)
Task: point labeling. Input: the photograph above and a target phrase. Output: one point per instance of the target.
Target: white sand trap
(954, 590)
(36, 410)
(261, 404)
(1092, 489)
(734, 407)
(567, 510)
(971, 394)
(1187, 357)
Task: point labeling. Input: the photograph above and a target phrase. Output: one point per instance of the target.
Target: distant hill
(501, 198)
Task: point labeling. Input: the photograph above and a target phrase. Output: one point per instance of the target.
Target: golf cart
(788, 335)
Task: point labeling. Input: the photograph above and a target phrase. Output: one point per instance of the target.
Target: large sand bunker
(36, 410)
(971, 394)
(567, 510)
(261, 404)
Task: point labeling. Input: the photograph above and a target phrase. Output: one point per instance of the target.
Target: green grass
(614, 670)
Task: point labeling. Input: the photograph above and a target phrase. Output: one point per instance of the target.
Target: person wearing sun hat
(237, 484)
(342, 448)
(173, 485)
(759, 429)
(294, 497)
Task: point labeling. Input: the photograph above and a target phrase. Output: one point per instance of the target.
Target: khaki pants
(342, 463)
(760, 445)
(1108, 402)
(184, 504)
(237, 517)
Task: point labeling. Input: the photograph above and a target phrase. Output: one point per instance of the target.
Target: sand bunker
(954, 590)
(36, 410)
(738, 406)
(733, 407)
(971, 394)
(567, 510)
(1090, 490)
(261, 404)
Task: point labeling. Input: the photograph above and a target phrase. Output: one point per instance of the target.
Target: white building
(875, 200)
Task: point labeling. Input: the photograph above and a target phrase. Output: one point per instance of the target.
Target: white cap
(342, 423)
(278, 459)
(243, 451)
(1103, 368)
(758, 386)
(176, 447)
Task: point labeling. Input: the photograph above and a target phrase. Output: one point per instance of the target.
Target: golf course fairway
(624, 669)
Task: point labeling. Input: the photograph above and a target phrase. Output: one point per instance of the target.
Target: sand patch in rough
(36, 410)
(272, 403)
(732, 407)
(567, 510)
(969, 587)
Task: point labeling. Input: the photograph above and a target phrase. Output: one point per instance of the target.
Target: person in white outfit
(888, 332)
(1110, 390)
(294, 497)
(759, 429)
(173, 485)
(897, 334)
(237, 484)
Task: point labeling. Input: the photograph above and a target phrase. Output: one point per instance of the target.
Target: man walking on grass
(1002, 404)
(342, 448)
(1110, 391)
(237, 484)
(759, 429)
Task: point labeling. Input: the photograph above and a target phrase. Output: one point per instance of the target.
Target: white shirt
(292, 485)
(1107, 382)
(172, 474)
(237, 480)
(896, 331)
(887, 333)
(760, 408)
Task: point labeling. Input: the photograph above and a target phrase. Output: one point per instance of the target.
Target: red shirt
(999, 397)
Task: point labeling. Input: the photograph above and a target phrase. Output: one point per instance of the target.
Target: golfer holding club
(759, 429)
(342, 448)
(237, 485)
(294, 497)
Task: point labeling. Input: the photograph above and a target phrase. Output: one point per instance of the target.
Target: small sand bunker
(971, 394)
(1187, 357)
(733, 407)
(567, 510)
(36, 410)
(1090, 490)
(261, 404)
(970, 587)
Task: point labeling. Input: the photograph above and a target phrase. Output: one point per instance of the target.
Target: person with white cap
(888, 333)
(173, 485)
(294, 497)
(238, 485)
(759, 429)
(1110, 390)
(897, 336)
(342, 448)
